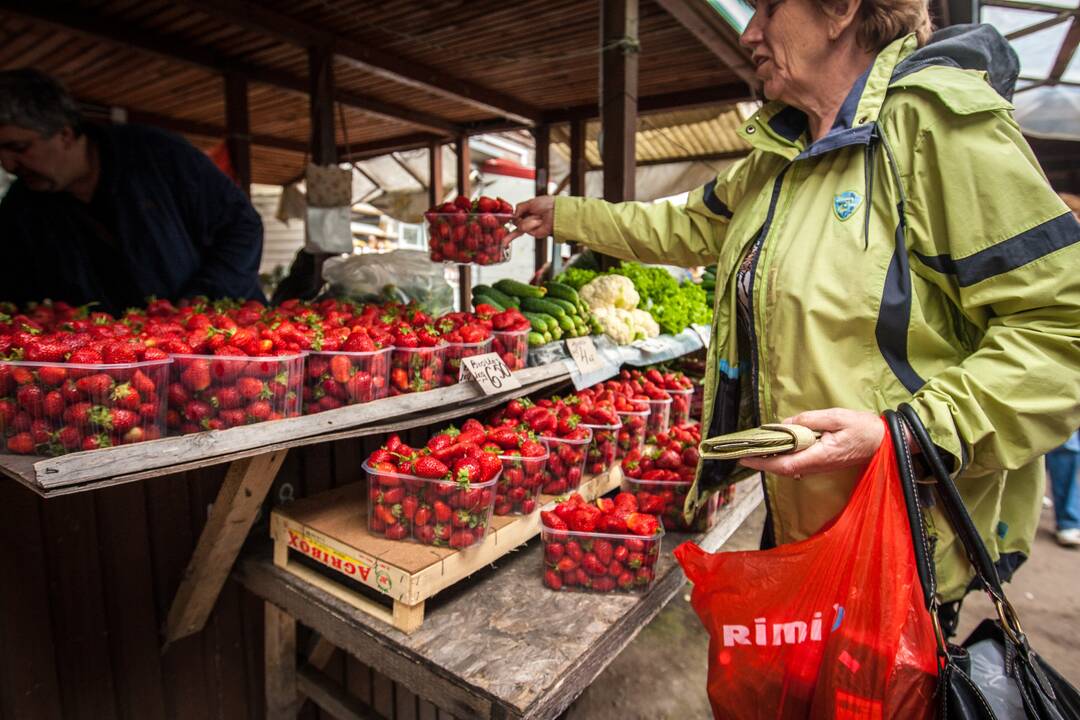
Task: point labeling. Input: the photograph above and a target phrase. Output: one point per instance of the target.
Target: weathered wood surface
(79, 472)
(238, 501)
(282, 698)
(499, 645)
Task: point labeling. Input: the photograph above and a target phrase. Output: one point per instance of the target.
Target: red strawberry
(442, 512)
(85, 356)
(54, 404)
(153, 353)
(642, 524)
(21, 444)
(52, 375)
(462, 538)
(118, 353)
(78, 414)
(552, 521)
(429, 467)
(422, 516)
(196, 377)
(125, 396)
(196, 411)
(553, 580)
(142, 383)
(251, 388)
(178, 395)
(259, 410)
(341, 368)
(93, 442)
(69, 437)
(467, 470)
(31, 399)
(117, 420)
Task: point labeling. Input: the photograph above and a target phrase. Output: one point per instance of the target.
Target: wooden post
(238, 129)
(435, 174)
(237, 503)
(321, 79)
(464, 166)
(579, 164)
(542, 135)
(282, 699)
(619, 80)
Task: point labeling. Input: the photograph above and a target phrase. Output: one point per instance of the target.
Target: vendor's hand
(534, 217)
(848, 438)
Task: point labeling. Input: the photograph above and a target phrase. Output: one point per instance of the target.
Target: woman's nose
(752, 35)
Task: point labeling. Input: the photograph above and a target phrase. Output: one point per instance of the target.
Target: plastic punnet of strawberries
(441, 494)
(416, 364)
(602, 420)
(466, 335)
(510, 334)
(660, 477)
(523, 461)
(464, 231)
(358, 373)
(559, 429)
(605, 546)
(680, 388)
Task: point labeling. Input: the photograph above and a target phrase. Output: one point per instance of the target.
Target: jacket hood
(968, 47)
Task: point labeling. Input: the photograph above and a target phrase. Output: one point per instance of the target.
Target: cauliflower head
(613, 291)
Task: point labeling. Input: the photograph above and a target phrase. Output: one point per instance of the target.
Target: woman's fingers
(849, 438)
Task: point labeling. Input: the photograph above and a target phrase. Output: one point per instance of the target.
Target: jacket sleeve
(988, 230)
(230, 233)
(655, 232)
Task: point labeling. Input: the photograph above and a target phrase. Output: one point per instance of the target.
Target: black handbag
(995, 674)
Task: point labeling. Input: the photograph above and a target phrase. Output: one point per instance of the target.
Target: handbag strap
(924, 559)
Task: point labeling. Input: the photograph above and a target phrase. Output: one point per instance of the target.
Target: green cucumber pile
(554, 310)
(708, 284)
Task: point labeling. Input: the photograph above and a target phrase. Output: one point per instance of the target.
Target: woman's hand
(535, 217)
(849, 438)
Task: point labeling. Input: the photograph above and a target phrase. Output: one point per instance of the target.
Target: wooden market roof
(406, 73)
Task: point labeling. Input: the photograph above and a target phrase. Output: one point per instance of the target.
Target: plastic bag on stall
(833, 626)
(401, 276)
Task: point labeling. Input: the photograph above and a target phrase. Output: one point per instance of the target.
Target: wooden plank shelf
(331, 529)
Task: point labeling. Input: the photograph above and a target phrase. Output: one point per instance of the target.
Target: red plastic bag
(830, 627)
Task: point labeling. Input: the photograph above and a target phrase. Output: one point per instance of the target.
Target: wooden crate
(331, 529)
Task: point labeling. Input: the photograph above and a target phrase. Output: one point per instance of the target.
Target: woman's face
(788, 40)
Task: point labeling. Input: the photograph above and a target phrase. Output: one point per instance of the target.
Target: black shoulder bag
(994, 674)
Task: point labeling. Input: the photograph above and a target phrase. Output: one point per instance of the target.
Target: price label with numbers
(490, 372)
(585, 355)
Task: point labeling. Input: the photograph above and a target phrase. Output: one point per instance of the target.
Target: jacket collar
(783, 129)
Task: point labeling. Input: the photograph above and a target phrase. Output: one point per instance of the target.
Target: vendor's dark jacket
(164, 222)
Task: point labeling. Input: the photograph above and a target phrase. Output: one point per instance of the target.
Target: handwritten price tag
(490, 372)
(585, 355)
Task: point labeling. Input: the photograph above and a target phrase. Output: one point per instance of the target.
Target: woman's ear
(841, 16)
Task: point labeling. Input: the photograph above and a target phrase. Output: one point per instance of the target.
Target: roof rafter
(714, 32)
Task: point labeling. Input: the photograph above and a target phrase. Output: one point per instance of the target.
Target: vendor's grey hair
(32, 100)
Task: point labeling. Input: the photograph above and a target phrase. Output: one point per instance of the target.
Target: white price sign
(490, 372)
(585, 355)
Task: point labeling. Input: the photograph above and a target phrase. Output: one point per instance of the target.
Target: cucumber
(542, 306)
(539, 321)
(569, 307)
(547, 337)
(561, 291)
(535, 339)
(478, 299)
(567, 324)
(502, 298)
(519, 289)
(556, 332)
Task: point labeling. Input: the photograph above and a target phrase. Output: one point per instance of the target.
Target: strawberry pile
(464, 231)
(603, 546)
(467, 335)
(416, 365)
(441, 494)
(510, 332)
(347, 377)
(600, 417)
(524, 460)
(557, 425)
(660, 477)
(680, 388)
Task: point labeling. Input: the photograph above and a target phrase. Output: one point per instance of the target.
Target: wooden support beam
(715, 33)
(619, 82)
(1012, 4)
(1068, 49)
(238, 129)
(332, 697)
(1039, 26)
(321, 95)
(662, 102)
(194, 127)
(579, 164)
(370, 58)
(181, 50)
(231, 517)
(704, 157)
(279, 657)
(464, 167)
(542, 138)
(435, 174)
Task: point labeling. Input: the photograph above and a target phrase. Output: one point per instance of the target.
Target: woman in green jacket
(889, 238)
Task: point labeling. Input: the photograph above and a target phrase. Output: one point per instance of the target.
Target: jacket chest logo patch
(845, 204)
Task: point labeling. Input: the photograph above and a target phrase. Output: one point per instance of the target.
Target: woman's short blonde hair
(879, 22)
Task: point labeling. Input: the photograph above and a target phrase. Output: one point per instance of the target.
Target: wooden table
(498, 645)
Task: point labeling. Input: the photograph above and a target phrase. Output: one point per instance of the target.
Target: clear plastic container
(666, 499)
(416, 369)
(455, 352)
(580, 561)
(632, 434)
(565, 465)
(464, 238)
(604, 448)
(336, 379)
(216, 392)
(520, 484)
(512, 346)
(681, 401)
(659, 415)
(431, 512)
(56, 408)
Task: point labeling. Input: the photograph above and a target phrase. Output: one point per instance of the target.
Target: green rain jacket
(915, 253)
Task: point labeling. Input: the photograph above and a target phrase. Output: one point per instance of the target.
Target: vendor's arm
(227, 229)
(684, 235)
(988, 230)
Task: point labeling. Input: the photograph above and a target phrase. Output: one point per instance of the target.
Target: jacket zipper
(760, 242)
